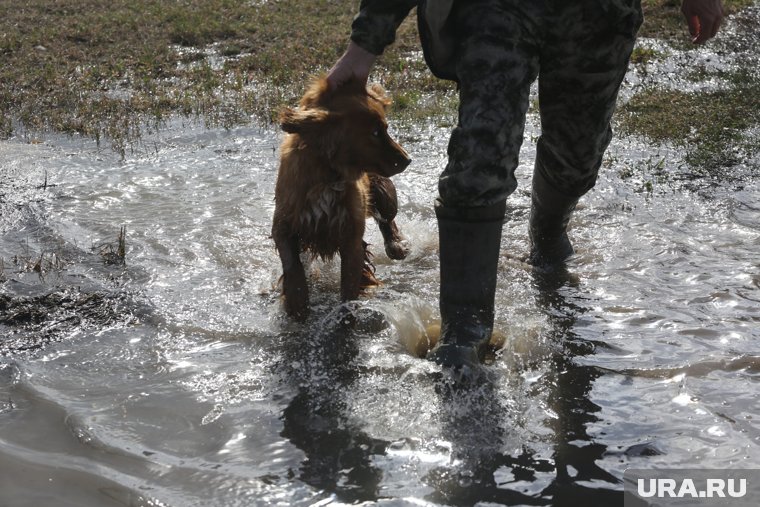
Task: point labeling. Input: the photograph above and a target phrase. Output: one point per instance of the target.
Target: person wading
(494, 49)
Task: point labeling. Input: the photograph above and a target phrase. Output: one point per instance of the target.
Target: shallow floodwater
(177, 380)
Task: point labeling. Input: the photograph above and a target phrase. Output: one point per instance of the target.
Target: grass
(709, 125)
(115, 256)
(107, 70)
(663, 19)
(114, 70)
(642, 55)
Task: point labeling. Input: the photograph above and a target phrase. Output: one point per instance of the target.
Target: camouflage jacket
(374, 28)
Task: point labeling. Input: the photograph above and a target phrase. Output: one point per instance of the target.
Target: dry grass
(112, 70)
(109, 70)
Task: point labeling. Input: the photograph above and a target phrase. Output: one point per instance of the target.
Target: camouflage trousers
(578, 49)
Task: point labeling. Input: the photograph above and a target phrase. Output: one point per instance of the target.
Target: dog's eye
(376, 133)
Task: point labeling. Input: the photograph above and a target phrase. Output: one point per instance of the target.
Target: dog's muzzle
(400, 162)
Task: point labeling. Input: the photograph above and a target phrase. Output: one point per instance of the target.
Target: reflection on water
(338, 452)
(177, 380)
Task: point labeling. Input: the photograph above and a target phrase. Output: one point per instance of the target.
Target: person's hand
(354, 64)
(704, 18)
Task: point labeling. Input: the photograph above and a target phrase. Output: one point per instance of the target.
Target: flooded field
(174, 378)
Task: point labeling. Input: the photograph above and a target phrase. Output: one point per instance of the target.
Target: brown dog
(335, 164)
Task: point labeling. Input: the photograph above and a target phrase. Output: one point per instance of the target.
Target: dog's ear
(316, 94)
(298, 121)
(377, 92)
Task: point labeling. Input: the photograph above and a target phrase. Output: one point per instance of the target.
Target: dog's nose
(402, 164)
(402, 160)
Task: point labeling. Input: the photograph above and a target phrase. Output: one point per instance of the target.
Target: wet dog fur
(335, 163)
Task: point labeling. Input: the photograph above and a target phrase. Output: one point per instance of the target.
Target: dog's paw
(397, 250)
(297, 308)
(296, 311)
(296, 296)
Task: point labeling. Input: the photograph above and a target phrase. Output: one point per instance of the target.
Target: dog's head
(348, 126)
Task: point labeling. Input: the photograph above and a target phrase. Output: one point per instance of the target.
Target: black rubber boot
(550, 212)
(469, 247)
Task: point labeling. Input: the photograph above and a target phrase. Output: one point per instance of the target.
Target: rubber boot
(469, 253)
(550, 212)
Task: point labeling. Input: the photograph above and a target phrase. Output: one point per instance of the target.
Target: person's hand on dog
(704, 18)
(355, 63)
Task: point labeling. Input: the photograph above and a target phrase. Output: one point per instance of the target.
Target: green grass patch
(643, 55)
(709, 125)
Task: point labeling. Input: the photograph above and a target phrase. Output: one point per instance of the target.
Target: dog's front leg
(396, 246)
(351, 266)
(384, 206)
(294, 286)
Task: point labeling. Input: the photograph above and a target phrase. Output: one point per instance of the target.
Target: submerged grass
(112, 70)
